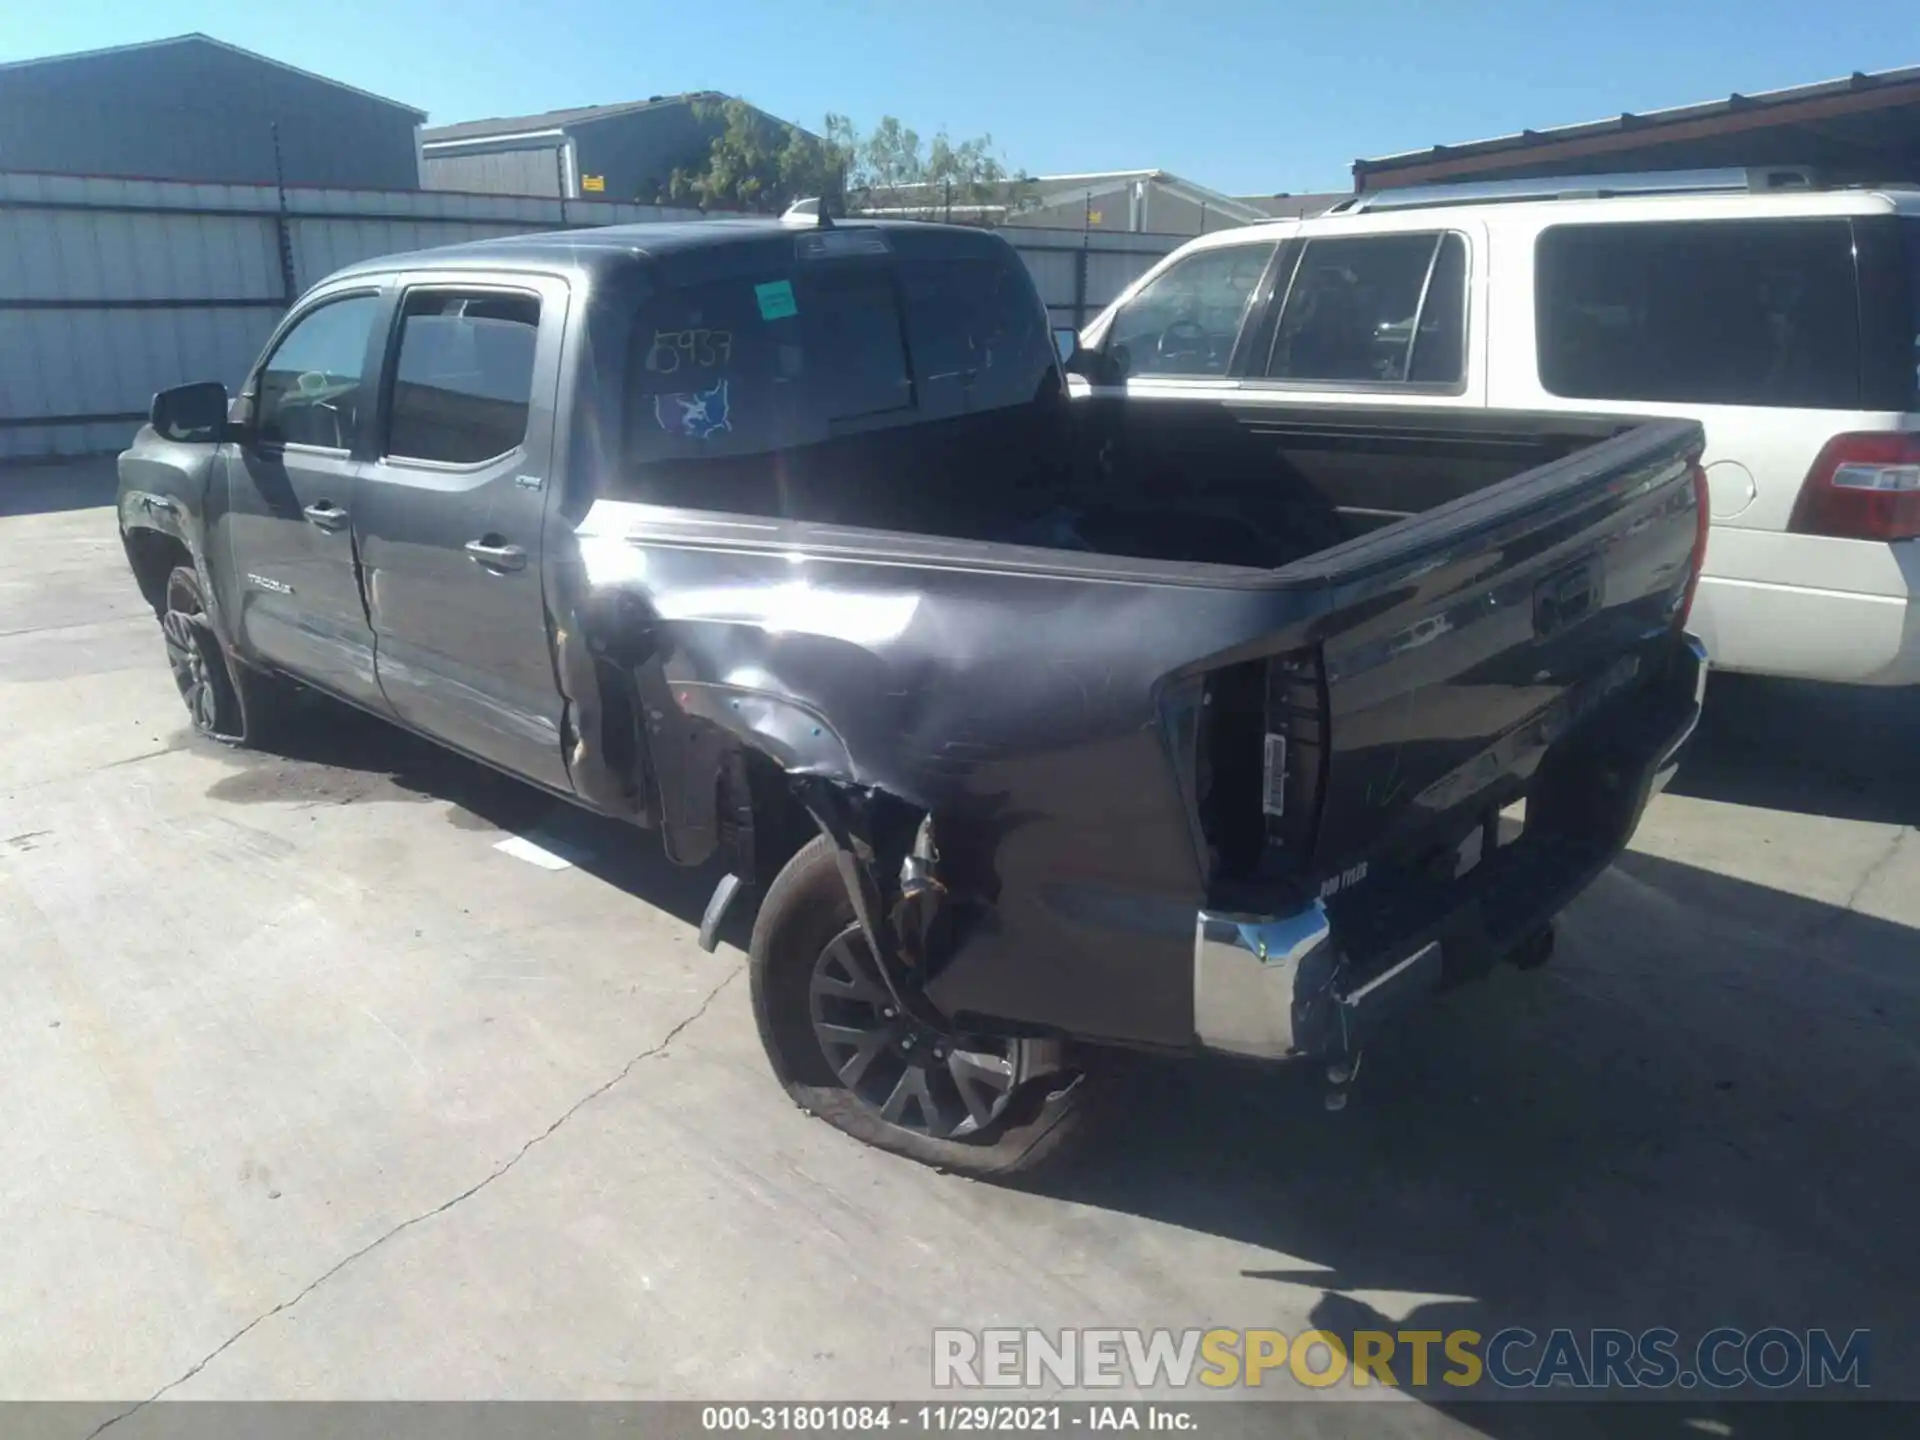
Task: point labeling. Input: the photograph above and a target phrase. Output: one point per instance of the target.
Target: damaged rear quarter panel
(1013, 694)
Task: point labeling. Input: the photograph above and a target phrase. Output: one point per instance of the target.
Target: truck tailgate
(1457, 645)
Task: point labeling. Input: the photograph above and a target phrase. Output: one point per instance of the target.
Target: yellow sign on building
(593, 182)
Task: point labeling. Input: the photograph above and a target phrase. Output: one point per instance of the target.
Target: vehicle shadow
(332, 754)
(1846, 751)
(45, 488)
(1700, 1113)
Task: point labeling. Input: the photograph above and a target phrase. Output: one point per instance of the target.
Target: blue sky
(1248, 96)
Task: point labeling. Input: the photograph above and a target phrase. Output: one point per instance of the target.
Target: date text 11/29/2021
(848, 1419)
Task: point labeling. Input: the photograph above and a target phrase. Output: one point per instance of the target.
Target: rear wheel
(849, 1053)
(225, 700)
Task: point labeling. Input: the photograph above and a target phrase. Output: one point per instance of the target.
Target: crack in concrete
(1825, 925)
(65, 625)
(141, 758)
(1872, 872)
(145, 755)
(594, 1094)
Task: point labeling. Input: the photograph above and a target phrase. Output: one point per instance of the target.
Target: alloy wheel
(188, 639)
(926, 1080)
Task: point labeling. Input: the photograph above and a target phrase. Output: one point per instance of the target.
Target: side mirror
(191, 413)
(240, 420)
(1077, 359)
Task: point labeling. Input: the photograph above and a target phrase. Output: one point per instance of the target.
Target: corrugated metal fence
(113, 289)
(1079, 273)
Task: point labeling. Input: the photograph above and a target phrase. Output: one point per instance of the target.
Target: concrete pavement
(310, 1091)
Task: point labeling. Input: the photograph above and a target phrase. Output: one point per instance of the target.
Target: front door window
(310, 390)
(1185, 321)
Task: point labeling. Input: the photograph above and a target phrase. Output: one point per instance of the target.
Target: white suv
(1781, 316)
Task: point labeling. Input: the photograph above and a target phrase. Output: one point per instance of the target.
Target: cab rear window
(738, 389)
(783, 360)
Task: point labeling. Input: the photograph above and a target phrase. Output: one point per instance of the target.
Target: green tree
(892, 169)
(757, 163)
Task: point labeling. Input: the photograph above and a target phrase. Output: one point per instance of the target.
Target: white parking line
(534, 853)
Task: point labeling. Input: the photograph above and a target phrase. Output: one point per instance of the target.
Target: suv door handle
(327, 515)
(496, 557)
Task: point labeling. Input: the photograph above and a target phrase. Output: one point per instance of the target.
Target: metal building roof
(197, 38)
(1044, 190)
(1861, 122)
(1287, 206)
(549, 120)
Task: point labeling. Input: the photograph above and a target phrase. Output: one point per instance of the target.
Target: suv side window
(463, 383)
(1187, 318)
(1723, 312)
(1375, 310)
(310, 389)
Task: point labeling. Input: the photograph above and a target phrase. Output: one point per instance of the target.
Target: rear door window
(463, 383)
(1375, 310)
(1724, 312)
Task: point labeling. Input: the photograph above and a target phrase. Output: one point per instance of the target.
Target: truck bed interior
(1187, 481)
(1265, 486)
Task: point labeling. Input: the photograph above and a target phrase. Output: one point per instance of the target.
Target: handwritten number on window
(700, 349)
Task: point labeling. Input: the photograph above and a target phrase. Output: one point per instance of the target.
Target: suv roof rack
(1755, 180)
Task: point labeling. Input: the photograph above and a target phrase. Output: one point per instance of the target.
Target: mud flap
(715, 915)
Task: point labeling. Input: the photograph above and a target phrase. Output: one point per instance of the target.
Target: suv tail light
(1702, 522)
(1863, 487)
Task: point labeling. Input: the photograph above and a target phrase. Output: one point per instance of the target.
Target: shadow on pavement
(1701, 1113)
(41, 489)
(1847, 751)
(331, 754)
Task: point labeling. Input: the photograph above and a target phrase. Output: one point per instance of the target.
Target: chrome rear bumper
(1269, 987)
(1255, 976)
(1273, 986)
(1669, 762)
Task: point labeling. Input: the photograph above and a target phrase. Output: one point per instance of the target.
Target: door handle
(327, 515)
(496, 557)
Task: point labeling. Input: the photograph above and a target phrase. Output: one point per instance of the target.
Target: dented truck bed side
(1044, 708)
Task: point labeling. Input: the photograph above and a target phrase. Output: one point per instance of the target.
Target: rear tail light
(1863, 487)
(1702, 522)
(1262, 749)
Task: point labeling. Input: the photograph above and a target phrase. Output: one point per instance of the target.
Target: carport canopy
(1863, 129)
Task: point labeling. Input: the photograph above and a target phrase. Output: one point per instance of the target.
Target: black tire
(225, 699)
(805, 918)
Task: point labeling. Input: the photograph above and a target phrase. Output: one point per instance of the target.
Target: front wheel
(225, 699)
(847, 1052)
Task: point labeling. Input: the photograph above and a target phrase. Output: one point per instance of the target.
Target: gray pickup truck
(1045, 721)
